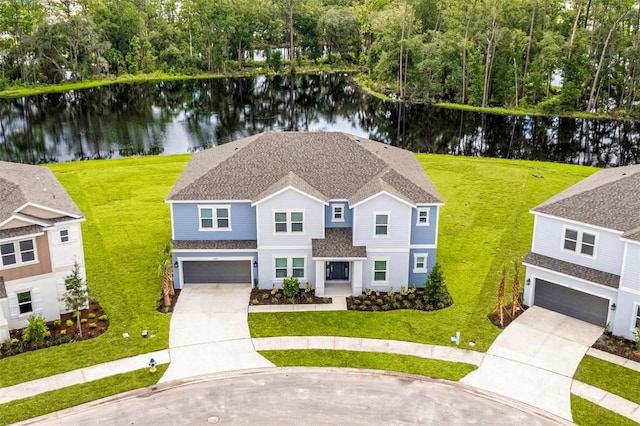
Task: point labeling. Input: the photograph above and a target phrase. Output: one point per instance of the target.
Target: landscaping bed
(276, 296)
(412, 298)
(507, 318)
(174, 299)
(618, 346)
(94, 322)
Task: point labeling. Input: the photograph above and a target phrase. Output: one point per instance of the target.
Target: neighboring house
(585, 257)
(40, 239)
(322, 207)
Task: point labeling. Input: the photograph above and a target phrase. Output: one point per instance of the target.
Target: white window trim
(373, 271)
(333, 212)
(423, 209)
(18, 254)
(581, 232)
(68, 236)
(214, 217)
(36, 303)
(415, 263)
(375, 225)
(288, 212)
(289, 258)
(634, 316)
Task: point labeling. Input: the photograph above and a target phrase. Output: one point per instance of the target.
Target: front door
(337, 271)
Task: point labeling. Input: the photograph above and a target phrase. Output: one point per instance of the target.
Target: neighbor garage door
(211, 272)
(573, 303)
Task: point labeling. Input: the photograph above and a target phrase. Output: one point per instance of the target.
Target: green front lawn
(586, 413)
(373, 360)
(484, 225)
(613, 378)
(125, 232)
(71, 396)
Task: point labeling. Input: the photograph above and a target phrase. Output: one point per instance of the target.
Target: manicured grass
(586, 413)
(71, 396)
(127, 226)
(611, 377)
(484, 225)
(373, 360)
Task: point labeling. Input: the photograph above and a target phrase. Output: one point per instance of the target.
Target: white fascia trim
(528, 265)
(429, 204)
(17, 216)
(22, 237)
(214, 251)
(338, 200)
(70, 222)
(384, 193)
(49, 209)
(577, 223)
(211, 259)
(422, 246)
(338, 259)
(399, 250)
(630, 290)
(284, 248)
(173, 225)
(626, 240)
(205, 201)
(293, 188)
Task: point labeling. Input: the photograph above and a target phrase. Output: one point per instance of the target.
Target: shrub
(637, 339)
(412, 289)
(63, 332)
(374, 308)
(91, 315)
(103, 318)
(309, 300)
(15, 341)
(403, 290)
(83, 320)
(385, 307)
(57, 323)
(256, 301)
(406, 304)
(92, 325)
(265, 296)
(68, 323)
(379, 301)
(36, 331)
(435, 289)
(418, 304)
(274, 290)
(308, 288)
(367, 291)
(290, 287)
(274, 300)
(390, 292)
(356, 301)
(411, 296)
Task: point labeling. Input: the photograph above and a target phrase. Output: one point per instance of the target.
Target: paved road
(286, 396)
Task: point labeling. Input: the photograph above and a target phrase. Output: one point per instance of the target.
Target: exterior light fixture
(175, 265)
(528, 282)
(613, 306)
(255, 263)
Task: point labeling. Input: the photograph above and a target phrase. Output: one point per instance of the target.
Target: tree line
(554, 55)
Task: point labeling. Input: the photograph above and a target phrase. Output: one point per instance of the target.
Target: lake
(185, 116)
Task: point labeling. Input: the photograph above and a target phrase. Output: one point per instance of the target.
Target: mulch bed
(168, 309)
(59, 337)
(277, 297)
(618, 346)
(507, 318)
(384, 301)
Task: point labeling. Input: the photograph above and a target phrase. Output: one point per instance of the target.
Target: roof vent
(624, 174)
(357, 139)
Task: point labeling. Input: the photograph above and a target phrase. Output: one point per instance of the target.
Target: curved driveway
(288, 396)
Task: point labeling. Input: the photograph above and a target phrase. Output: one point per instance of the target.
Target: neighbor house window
(380, 270)
(637, 322)
(423, 217)
(420, 263)
(24, 302)
(337, 213)
(382, 224)
(288, 221)
(583, 242)
(64, 235)
(289, 267)
(215, 218)
(18, 252)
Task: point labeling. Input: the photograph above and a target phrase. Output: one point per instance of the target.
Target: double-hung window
(215, 218)
(423, 217)
(579, 241)
(16, 253)
(637, 321)
(381, 224)
(25, 304)
(288, 221)
(64, 235)
(380, 271)
(289, 267)
(337, 213)
(419, 263)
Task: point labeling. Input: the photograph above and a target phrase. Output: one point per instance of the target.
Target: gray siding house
(585, 255)
(327, 208)
(40, 240)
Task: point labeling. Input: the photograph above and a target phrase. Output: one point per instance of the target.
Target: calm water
(186, 116)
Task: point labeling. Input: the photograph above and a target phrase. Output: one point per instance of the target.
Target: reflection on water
(185, 116)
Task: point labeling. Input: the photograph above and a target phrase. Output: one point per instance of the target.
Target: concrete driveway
(209, 332)
(294, 396)
(534, 359)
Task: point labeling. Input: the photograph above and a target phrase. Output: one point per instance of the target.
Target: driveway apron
(209, 332)
(534, 359)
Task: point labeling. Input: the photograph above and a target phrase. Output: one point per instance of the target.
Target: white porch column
(356, 277)
(320, 271)
(4, 326)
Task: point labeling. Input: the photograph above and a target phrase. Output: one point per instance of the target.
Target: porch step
(342, 289)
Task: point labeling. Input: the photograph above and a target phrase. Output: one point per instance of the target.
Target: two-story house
(40, 240)
(322, 207)
(585, 256)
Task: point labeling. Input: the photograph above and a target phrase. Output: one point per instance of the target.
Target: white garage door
(217, 272)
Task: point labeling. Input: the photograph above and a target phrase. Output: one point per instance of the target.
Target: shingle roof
(609, 198)
(337, 243)
(22, 230)
(214, 244)
(567, 268)
(326, 165)
(22, 183)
